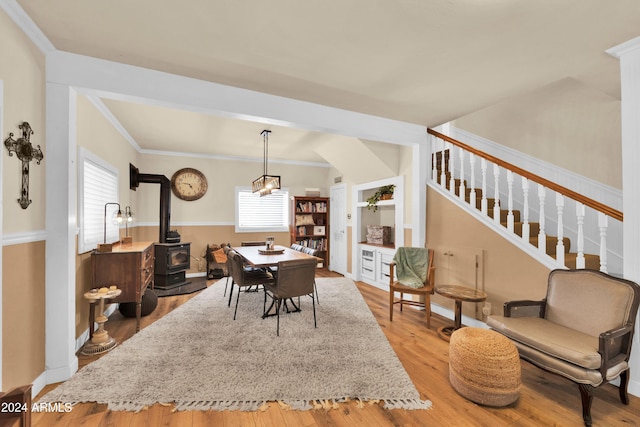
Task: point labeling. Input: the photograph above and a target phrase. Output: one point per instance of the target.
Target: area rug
(198, 358)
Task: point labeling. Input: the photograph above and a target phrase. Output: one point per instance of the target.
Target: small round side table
(459, 294)
(100, 341)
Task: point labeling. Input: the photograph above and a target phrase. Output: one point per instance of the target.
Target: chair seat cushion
(550, 338)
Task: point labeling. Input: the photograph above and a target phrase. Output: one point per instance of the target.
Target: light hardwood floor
(545, 399)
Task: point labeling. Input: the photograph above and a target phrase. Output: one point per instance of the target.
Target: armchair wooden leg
(587, 398)
(391, 305)
(427, 310)
(624, 383)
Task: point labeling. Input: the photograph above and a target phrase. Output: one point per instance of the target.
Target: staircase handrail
(594, 204)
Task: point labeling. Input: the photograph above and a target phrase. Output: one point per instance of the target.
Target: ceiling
(425, 62)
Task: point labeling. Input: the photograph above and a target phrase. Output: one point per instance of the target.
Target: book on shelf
(311, 207)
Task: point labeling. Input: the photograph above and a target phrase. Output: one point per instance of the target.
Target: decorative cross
(25, 152)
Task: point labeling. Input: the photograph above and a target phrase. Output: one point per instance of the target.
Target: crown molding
(624, 48)
(26, 24)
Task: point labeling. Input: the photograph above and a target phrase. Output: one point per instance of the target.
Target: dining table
(261, 257)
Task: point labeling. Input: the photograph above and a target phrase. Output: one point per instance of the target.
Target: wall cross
(25, 152)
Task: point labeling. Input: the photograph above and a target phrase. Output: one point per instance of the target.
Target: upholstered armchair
(582, 330)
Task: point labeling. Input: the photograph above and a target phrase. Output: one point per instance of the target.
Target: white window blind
(98, 185)
(267, 213)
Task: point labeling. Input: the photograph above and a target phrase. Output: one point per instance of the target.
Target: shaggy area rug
(198, 358)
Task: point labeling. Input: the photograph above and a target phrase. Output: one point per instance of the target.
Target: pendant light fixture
(266, 184)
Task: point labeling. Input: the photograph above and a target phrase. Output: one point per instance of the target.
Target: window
(97, 186)
(267, 213)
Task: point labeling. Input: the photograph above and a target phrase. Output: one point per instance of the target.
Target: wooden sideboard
(128, 266)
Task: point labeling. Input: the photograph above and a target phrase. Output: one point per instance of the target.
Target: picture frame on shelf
(319, 230)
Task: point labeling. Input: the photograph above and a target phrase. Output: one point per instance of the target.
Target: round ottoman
(484, 366)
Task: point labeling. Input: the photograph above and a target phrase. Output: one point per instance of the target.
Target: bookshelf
(310, 224)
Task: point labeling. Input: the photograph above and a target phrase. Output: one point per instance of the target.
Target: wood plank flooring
(545, 399)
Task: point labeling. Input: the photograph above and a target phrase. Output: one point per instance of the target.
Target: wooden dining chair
(424, 292)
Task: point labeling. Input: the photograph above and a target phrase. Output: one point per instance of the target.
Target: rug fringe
(288, 405)
(410, 404)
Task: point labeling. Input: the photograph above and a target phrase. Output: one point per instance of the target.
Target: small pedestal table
(100, 341)
(459, 294)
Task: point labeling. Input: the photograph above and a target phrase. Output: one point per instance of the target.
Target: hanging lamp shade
(266, 184)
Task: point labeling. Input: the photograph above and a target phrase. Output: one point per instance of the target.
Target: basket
(379, 234)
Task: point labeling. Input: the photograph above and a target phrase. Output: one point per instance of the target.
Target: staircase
(562, 250)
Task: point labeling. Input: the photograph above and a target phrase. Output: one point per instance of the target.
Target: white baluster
(462, 189)
(526, 231)
(472, 193)
(452, 178)
(496, 193)
(603, 222)
(510, 218)
(434, 159)
(542, 238)
(560, 244)
(580, 213)
(483, 203)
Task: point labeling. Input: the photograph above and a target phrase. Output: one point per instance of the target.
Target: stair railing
(452, 177)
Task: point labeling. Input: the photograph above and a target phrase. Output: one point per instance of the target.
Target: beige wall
(22, 71)
(218, 204)
(508, 272)
(566, 124)
(97, 135)
(23, 319)
(23, 284)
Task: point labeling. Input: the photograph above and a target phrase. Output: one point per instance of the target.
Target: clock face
(189, 184)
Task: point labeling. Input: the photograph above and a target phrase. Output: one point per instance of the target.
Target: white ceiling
(420, 61)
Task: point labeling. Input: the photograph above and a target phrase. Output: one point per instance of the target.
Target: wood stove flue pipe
(135, 178)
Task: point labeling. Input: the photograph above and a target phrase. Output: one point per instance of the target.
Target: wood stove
(172, 260)
(172, 257)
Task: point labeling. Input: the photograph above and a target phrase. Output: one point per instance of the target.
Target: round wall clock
(188, 184)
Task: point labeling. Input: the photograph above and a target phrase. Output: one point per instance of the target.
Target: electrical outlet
(486, 309)
(77, 319)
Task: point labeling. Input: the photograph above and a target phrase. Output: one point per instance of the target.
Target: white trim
(189, 224)
(26, 24)
(234, 158)
(61, 218)
(624, 48)
(106, 79)
(9, 239)
(629, 54)
(113, 120)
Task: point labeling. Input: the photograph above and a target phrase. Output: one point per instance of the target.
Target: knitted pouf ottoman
(484, 366)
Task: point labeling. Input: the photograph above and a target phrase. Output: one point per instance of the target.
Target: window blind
(267, 213)
(98, 186)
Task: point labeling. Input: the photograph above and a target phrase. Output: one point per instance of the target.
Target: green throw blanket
(411, 266)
